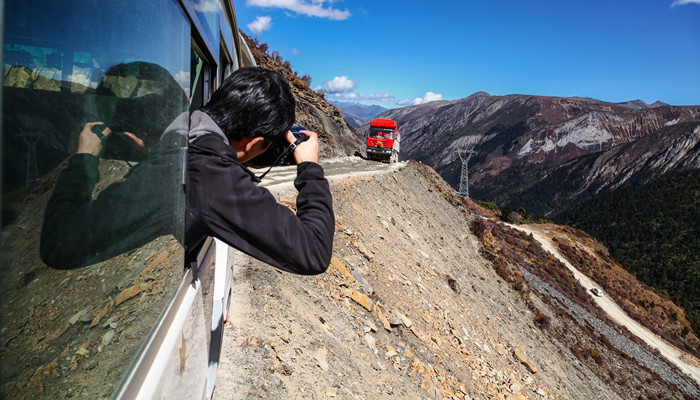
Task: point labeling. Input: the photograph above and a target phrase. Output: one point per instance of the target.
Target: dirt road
(281, 179)
(616, 313)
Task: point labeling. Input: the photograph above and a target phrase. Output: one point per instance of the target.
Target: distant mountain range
(549, 153)
(357, 114)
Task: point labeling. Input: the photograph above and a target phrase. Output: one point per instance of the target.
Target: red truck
(383, 141)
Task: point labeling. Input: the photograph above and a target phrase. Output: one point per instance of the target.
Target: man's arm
(79, 231)
(249, 218)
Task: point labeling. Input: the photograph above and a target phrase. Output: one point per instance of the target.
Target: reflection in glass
(141, 116)
(126, 64)
(207, 12)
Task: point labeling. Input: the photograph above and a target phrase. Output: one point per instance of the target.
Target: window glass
(91, 242)
(381, 133)
(226, 36)
(207, 12)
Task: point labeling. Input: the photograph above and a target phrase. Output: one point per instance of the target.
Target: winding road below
(670, 352)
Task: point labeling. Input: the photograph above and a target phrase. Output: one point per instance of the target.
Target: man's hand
(307, 150)
(91, 143)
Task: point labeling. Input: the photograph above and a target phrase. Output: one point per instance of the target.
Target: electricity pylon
(31, 131)
(465, 155)
(31, 140)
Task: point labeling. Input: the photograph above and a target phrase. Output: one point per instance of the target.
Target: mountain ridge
(532, 136)
(356, 113)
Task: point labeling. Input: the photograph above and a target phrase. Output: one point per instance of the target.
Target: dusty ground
(408, 309)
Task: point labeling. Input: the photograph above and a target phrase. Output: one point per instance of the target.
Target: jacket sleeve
(79, 230)
(63, 230)
(249, 218)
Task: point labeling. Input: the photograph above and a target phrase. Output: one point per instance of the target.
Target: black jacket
(224, 201)
(79, 230)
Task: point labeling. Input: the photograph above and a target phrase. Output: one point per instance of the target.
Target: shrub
(307, 79)
(596, 356)
(542, 321)
(490, 206)
(506, 210)
(478, 227)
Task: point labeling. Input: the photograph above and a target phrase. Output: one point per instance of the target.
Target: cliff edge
(428, 296)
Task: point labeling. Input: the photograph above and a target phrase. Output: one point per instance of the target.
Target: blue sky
(396, 53)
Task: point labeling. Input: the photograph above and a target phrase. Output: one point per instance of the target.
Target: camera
(297, 132)
(280, 152)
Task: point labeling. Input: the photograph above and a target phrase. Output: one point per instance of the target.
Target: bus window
(91, 242)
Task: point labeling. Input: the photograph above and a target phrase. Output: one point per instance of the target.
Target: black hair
(252, 102)
(139, 97)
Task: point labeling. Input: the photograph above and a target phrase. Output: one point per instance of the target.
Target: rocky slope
(571, 147)
(336, 136)
(427, 296)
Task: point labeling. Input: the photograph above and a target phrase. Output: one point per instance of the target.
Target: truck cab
(383, 141)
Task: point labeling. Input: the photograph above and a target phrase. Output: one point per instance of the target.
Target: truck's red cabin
(382, 133)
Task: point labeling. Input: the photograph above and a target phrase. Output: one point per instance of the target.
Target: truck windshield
(381, 133)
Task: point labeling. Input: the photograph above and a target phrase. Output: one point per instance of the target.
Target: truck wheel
(394, 157)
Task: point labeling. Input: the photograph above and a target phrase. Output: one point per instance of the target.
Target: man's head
(137, 100)
(252, 103)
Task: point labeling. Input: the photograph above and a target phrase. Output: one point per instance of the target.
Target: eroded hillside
(415, 305)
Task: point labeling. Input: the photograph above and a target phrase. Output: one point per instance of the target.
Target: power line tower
(465, 155)
(31, 140)
(31, 131)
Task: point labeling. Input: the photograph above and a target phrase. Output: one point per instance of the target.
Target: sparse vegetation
(490, 206)
(275, 61)
(506, 211)
(542, 321)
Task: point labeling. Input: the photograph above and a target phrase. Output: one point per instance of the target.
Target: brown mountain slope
(415, 305)
(643, 303)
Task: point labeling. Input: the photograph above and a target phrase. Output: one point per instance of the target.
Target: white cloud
(206, 6)
(183, 78)
(81, 77)
(295, 51)
(380, 96)
(429, 96)
(340, 84)
(313, 9)
(260, 25)
(684, 2)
